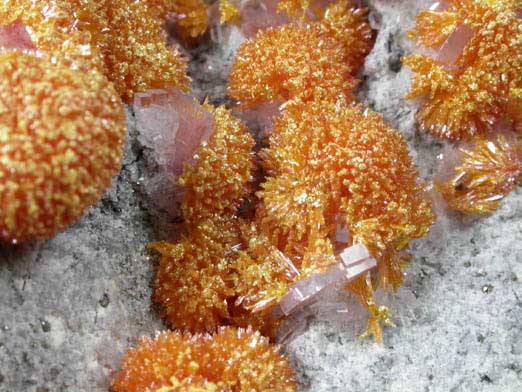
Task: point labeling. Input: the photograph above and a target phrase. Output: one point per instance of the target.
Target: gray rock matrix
(70, 307)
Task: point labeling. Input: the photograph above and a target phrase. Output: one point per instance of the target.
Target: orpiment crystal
(475, 80)
(486, 174)
(123, 39)
(305, 60)
(194, 278)
(231, 360)
(61, 139)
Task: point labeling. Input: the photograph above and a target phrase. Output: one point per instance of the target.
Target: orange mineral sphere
(61, 138)
(231, 360)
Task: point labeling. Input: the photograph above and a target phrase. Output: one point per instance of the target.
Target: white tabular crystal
(439, 6)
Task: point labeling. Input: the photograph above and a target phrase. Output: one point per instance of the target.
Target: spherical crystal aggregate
(194, 279)
(231, 360)
(309, 60)
(61, 139)
(123, 39)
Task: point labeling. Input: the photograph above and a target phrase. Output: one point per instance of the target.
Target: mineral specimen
(309, 61)
(61, 139)
(231, 360)
(336, 175)
(194, 278)
(327, 165)
(173, 125)
(123, 39)
(475, 80)
(486, 174)
(15, 36)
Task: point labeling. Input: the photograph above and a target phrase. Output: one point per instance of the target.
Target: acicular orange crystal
(312, 60)
(123, 39)
(238, 360)
(194, 278)
(485, 175)
(475, 80)
(61, 140)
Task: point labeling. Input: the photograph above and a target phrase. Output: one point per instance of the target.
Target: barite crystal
(173, 124)
(15, 36)
(354, 262)
(454, 46)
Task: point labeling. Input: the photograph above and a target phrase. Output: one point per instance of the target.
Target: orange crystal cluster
(61, 139)
(485, 175)
(484, 84)
(307, 60)
(473, 88)
(62, 122)
(329, 164)
(121, 38)
(194, 279)
(230, 360)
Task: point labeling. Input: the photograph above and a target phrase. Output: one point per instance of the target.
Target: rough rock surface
(70, 307)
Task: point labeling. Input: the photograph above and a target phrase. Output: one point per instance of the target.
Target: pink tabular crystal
(259, 15)
(354, 262)
(15, 36)
(455, 44)
(260, 119)
(174, 124)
